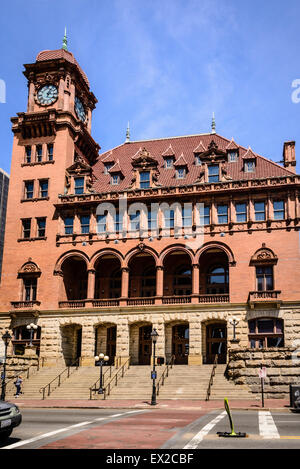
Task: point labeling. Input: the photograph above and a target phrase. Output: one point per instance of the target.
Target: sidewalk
(270, 404)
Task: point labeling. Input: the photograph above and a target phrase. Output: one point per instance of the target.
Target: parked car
(10, 417)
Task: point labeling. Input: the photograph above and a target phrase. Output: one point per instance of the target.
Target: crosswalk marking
(193, 444)
(267, 427)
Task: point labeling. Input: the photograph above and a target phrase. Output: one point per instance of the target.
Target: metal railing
(165, 374)
(114, 381)
(107, 374)
(211, 378)
(50, 387)
(27, 372)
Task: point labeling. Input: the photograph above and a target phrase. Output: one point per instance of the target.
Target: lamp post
(31, 327)
(154, 336)
(101, 359)
(6, 338)
(234, 322)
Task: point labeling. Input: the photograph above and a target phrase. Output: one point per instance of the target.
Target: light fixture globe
(106, 358)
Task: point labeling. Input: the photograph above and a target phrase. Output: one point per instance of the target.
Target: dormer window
(115, 179)
(107, 167)
(180, 173)
(213, 173)
(145, 179)
(79, 185)
(198, 161)
(249, 166)
(232, 156)
(169, 162)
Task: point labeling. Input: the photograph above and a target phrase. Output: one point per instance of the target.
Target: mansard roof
(186, 145)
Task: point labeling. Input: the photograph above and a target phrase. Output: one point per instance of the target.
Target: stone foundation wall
(283, 369)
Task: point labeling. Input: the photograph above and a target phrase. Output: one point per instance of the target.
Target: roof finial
(127, 134)
(213, 124)
(65, 41)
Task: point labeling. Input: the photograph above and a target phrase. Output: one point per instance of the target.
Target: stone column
(125, 285)
(195, 342)
(122, 345)
(196, 286)
(159, 284)
(31, 97)
(91, 284)
(88, 345)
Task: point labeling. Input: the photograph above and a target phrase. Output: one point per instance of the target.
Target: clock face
(47, 95)
(80, 111)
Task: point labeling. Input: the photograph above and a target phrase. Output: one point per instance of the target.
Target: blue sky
(165, 66)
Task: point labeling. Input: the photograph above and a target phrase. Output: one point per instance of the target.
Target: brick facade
(92, 290)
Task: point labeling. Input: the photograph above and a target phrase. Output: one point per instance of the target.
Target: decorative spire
(65, 41)
(127, 134)
(213, 124)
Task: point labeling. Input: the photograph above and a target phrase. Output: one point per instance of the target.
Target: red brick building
(95, 269)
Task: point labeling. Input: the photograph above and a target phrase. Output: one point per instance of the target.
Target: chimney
(289, 156)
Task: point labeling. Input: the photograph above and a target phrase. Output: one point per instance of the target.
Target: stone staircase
(222, 387)
(31, 387)
(77, 386)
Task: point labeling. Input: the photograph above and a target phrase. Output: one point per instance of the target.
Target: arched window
(183, 281)
(217, 280)
(266, 333)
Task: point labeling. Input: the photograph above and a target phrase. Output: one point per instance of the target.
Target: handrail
(161, 380)
(212, 378)
(27, 371)
(108, 386)
(43, 389)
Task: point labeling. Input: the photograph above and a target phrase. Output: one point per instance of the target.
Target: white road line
(267, 427)
(193, 444)
(65, 429)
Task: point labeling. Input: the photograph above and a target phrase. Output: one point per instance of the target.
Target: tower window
(41, 227)
(278, 208)
(26, 228)
(44, 189)
(39, 153)
(29, 189)
(50, 151)
(213, 173)
(79, 185)
(28, 154)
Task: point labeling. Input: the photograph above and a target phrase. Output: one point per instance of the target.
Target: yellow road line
(290, 437)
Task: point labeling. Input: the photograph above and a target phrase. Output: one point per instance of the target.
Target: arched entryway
(216, 342)
(140, 347)
(179, 335)
(71, 342)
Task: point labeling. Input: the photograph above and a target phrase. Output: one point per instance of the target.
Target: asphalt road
(166, 429)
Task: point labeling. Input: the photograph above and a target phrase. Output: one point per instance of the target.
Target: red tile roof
(61, 54)
(186, 145)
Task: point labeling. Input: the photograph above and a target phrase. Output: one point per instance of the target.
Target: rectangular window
(222, 214)
(249, 166)
(169, 163)
(135, 221)
(30, 287)
(264, 278)
(28, 154)
(205, 215)
(115, 179)
(241, 212)
(213, 173)
(180, 173)
(198, 161)
(39, 153)
(107, 167)
(101, 223)
(232, 156)
(278, 208)
(26, 228)
(152, 220)
(41, 227)
(79, 185)
(187, 217)
(145, 179)
(29, 189)
(169, 219)
(118, 223)
(44, 189)
(69, 224)
(260, 211)
(50, 151)
(85, 224)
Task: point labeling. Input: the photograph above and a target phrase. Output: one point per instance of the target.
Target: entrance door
(180, 344)
(145, 345)
(216, 343)
(78, 343)
(111, 344)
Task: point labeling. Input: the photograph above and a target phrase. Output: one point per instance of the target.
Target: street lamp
(31, 327)
(234, 322)
(101, 359)
(6, 338)
(154, 336)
